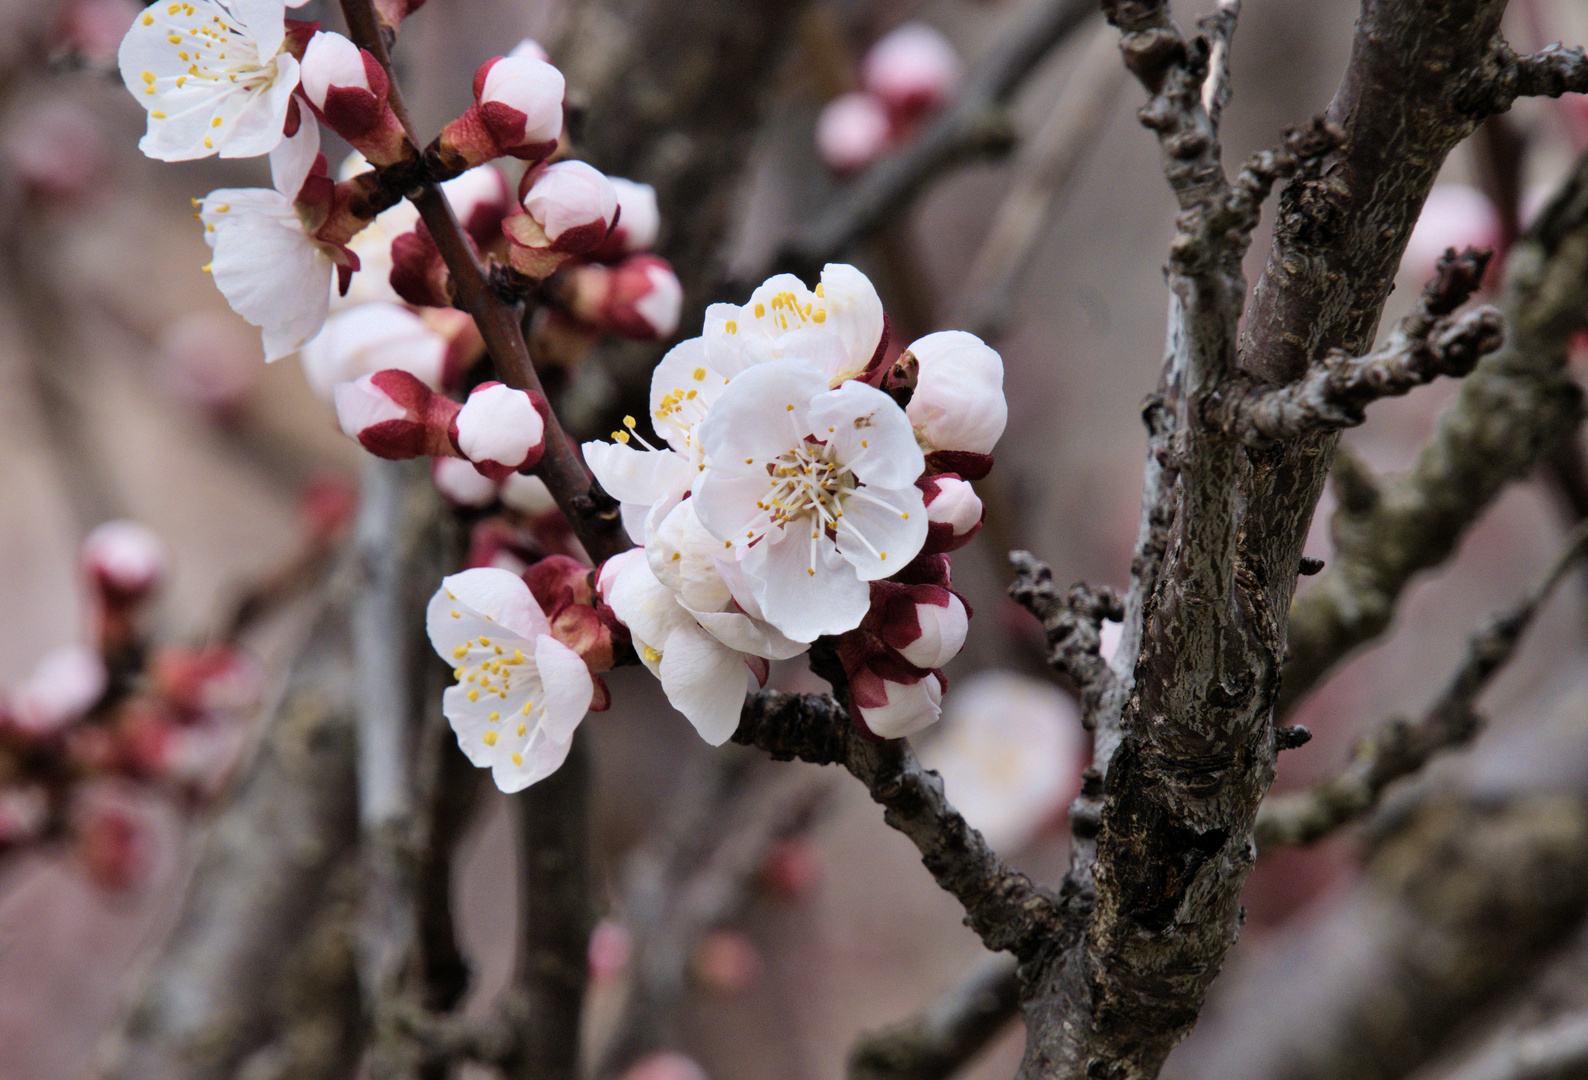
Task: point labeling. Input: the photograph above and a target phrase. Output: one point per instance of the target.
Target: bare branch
(1557, 1050)
(1550, 72)
(1072, 625)
(1004, 907)
(1428, 343)
(949, 1032)
(1513, 409)
(974, 126)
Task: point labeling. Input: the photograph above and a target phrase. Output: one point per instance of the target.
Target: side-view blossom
(215, 76)
(517, 112)
(639, 298)
(347, 88)
(394, 415)
(814, 490)
(500, 430)
(958, 406)
(639, 219)
(520, 692)
(568, 208)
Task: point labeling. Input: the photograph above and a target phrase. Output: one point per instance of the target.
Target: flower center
(808, 483)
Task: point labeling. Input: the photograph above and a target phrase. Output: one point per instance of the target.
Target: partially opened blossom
(958, 406)
(639, 218)
(520, 692)
(852, 131)
(568, 210)
(215, 76)
(517, 112)
(500, 430)
(393, 415)
(348, 89)
(639, 298)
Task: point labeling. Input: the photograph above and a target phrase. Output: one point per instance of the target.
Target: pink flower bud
(125, 559)
(958, 404)
(394, 415)
(926, 624)
(418, 273)
(500, 430)
(67, 683)
(531, 49)
(393, 12)
(114, 846)
(639, 219)
(640, 298)
(461, 483)
(517, 112)
(347, 88)
(568, 210)
(611, 946)
(665, 1065)
(953, 512)
(851, 132)
(891, 701)
(913, 70)
(727, 961)
(200, 682)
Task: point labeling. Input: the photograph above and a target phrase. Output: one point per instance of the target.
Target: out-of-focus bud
(953, 512)
(611, 946)
(68, 682)
(639, 220)
(527, 494)
(793, 868)
(347, 88)
(500, 430)
(326, 503)
(640, 298)
(517, 112)
(125, 560)
(95, 27)
(913, 70)
(461, 483)
(370, 338)
(727, 961)
(207, 681)
(1454, 216)
(531, 49)
(927, 624)
(666, 1065)
(481, 198)
(56, 147)
(568, 210)
(851, 132)
(24, 811)
(394, 415)
(958, 406)
(496, 543)
(114, 846)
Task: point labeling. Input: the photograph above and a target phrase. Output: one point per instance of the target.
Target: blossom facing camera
(813, 489)
(394, 415)
(348, 89)
(568, 210)
(520, 693)
(517, 112)
(500, 430)
(215, 76)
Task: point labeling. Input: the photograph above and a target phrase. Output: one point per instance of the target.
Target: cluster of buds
(905, 77)
(165, 721)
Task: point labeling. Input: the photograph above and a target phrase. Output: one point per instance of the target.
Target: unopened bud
(892, 703)
(640, 298)
(568, 210)
(517, 112)
(639, 219)
(913, 70)
(125, 559)
(500, 430)
(927, 625)
(67, 683)
(369, 338)
(954, 512)
(958, 404)
(851, 132)
(394, 415)
(347, 88)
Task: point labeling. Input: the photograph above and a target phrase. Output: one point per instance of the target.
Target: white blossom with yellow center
(520, 692)
(213, 75)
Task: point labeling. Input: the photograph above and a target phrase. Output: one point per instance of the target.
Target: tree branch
(1400, 748)
(1072, 625)
(1002, 906)
(1512, 410)
(949, 1032)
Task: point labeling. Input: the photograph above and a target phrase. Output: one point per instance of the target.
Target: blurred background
(129, 390)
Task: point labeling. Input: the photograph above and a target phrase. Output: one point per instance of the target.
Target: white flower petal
(958, 402)
(499, 596)
(706, 681)
(762, 412)
(870, 433)
(854, 314)
(569, 687)
(882, 530)
(801, 604)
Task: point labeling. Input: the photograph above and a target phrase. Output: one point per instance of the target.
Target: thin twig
(949, 1032)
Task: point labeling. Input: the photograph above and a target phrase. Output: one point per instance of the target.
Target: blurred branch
(211, 998)
(1557, 1050)
(1001, 905)
(688, 884)
(1400, 748)
(949, 1032)
(974, 126)
(1511, 411)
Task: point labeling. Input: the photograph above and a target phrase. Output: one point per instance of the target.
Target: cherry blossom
(958, 404)
(370, 338)
(517, 112)
(215, 76)
(568, 210)
(520, 692)
(813, 489)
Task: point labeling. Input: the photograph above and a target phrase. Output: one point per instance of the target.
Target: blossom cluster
(905, 77)
(163, 719)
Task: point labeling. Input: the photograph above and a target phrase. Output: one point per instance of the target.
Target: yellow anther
(521, 730)
(677, 555)
(148, 76)
(456, 614)
(518, 759)
(474, 695)
(652, 656)
(215, 123)
(489, 738)
(621, 436)
(457, 672)
(820, 289)
(485, 641)
(760, 311)
(788, 408)
(883, 556)
(158, 115)
(691, 395)
(819, 316)
(749, 461)
(173, 9)
(180, 79)
(498, 650)
(175, 39)
(905, 515)
(223, 207)
(864, 443)
(494, 716)
(208, 268)
(699, 374)
(148, 20)
(518, 657)
(208, 143)
(731, 326)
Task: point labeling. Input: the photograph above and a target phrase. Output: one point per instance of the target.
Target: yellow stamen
(489, 738)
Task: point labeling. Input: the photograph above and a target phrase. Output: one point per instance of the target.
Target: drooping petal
(637, 476)
(568, 687)
(706, 681)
